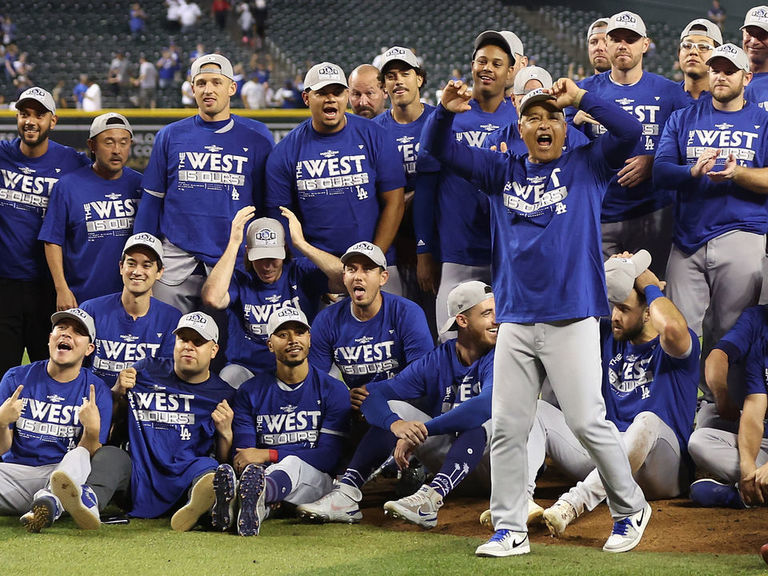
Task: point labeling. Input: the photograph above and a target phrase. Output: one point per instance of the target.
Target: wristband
(651, 293)
(273, 456)
(579, 96)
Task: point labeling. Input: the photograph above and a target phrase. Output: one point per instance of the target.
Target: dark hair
(419, 72)
(155, 259)
(498, 43)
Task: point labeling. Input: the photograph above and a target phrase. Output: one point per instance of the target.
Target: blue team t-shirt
(756, 91)
(122, 341)
(171, 434)
(49, 426)
(91, 218)
(24, 192)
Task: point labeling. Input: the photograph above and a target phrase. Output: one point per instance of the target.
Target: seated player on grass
(178, 417)
(288, 431)
(455, 381)
(54, 416)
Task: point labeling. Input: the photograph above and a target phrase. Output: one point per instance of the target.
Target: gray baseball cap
(265, 239)
(626, 21)
(733, 54)
(80, 316)
(497, 38)
(283, 316)
(147, 240)
(201, 323)
(703, 27)
(531, 73)
(462, 298)
(514, 42)
(38, 95)
(207, 62)
(757, 16)
(399, 54)
(620, 275)
(107, 122)
(535, 96)
(597, 27)
(367, 249)
(324, 74)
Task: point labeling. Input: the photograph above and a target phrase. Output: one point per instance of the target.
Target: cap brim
(325, 83)
(541, 99)
(449, 325)
(57, 317)
(260, 253)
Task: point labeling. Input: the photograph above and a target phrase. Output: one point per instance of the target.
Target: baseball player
(697, 40)
(288, 431)
(636, 213)
(54, 416)
(754, 37)
(738, 462)
(650, 378)
(271, 282)
(597, 51)
(546, 227)
(30, 165)
(202, 170)
(338, 172)
(367, 96)
(454, 225)
(454, 382)
(132, 325)
(714, 153)
(90, 215)
(372, 335)
(508, 138)
(178, 415)
(403, 78)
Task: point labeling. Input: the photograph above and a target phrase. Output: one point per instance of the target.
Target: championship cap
(733, 54)
(514, 42)
(399, 54)
(206, 62)
(464, 297)
(283, 316)
(146, 239)
(39, 95)
(497, 38)
(626, 21)
(597, 27)
(535, 96)
(265, 239)
(107, 122)
(531, 73)
(324, 74)
(703, 27)
(367, 249)
(620, 274)
(80, 316)
(757, 16)
(201, 323)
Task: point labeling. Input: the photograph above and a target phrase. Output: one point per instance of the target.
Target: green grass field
(286, 547)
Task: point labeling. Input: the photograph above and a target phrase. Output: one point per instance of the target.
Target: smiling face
(402, 83)
(755, 43)
(290, 344)
(68, 344)
(327, 106)
(139, 269)
(542, 128)
(491, 71)
(212, 93)
(480, 323)
(34, 123)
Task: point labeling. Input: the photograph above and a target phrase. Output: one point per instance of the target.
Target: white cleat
(558, 516)
(535, 513)
(628, 531)
(505, 543)
(419, 508)
(339, 505)
(79, 501)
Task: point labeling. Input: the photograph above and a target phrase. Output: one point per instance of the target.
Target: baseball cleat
(418, 508)
(224, 490)
(44, 512)
(505, 543)
(713, 494)
(79, 501)
(339, 505)
(534, 515)
(628, 531)
(252, 494)
(485, 519)
(558, 516)
(201, 500)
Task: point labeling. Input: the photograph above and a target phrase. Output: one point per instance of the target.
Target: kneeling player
(288, 431)
(178, 415)
(455, 380)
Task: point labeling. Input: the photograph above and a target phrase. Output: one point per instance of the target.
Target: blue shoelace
(499, 535)
(622, 526)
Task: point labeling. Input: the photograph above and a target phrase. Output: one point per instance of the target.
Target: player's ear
(269, 345)
(461, 321)
(54, 119)
(305, 97)
(383, 277)
(90, 349)
(232, 88)
(214, 350)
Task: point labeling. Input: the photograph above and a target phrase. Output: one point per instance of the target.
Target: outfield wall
(73, 125)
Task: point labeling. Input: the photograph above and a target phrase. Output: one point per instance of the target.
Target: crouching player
(289, 428)
(178, 415)
(455, 380)
(54, 415)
